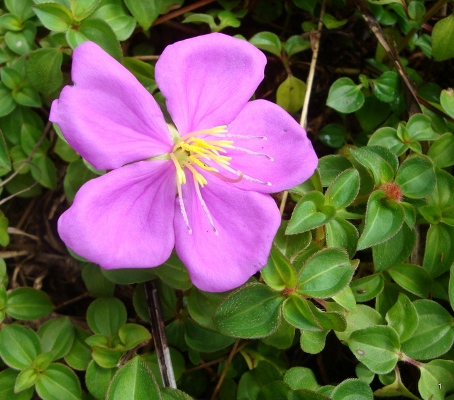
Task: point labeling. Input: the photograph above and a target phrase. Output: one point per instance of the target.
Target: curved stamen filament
(252, 153)
(204, 206)
(181, 178)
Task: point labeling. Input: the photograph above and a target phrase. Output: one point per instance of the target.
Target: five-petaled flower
(201, 185)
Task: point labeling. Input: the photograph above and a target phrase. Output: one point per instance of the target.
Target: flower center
(205, 150)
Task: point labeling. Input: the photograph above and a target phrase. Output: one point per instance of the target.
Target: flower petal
(108, 116)
(246, 223)
(285, 159)
(208, 79)
(124, 219)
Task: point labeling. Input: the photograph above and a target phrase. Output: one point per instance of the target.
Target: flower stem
(159, 334)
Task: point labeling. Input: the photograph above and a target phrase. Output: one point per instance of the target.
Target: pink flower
(200, 186)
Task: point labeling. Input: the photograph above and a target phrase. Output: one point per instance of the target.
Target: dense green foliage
(357, 297)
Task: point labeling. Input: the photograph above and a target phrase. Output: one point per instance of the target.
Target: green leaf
(250, 312)
(132, 335)
(387, 86)
(442, 37)
(419, 127)
(442, 196)
(134, 381)
(363, 317)
(434, 334)
(451, 287)
(436, 379)
(81, 9)
(19, 346)
(344, 189)
(98, 379)
(331, 22)
(118, 18)
(387, 137)
(296, 44)
(44, 69)
(54, 16)
(413, 278)
(333, 135)
(325, 274)
(202, 305)
(383, 220)
(344, 96)
(278, 272)
(252, 381)
(79, 355)
(310, 212)
(19, 42)
(367, 287)
(57, 335)
(44, 170)
(267, 41)
(379, 161)
(346, 299)
(106, 316)
(290, 94)
(403, 317)
(291, 245)
(143, 71)
(331, 166)
(274, 390)
(7, 105)
(352, 389)
(174, 273)
(4, 236)
(341, 233)
(144, 11)
(447, 101)
(96, 282)
(395, 250)
(441, 151)
(20, 8)
(58, 382)
(106, 357)
(76, 175)
(313, 342)
(25, 379)
(282, 338)
(203, 339)
(7, 381)
(439, 250)
(27, 303)
(416, 177)
(11, 78)
(27, 96)
(377, 347)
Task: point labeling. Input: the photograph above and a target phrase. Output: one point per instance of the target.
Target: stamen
(204, 206)
(230, 135)
(216, 131)
(253, 153)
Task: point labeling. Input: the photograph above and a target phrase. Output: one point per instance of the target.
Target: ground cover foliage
(357, 297)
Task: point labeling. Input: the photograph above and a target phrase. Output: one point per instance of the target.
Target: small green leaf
(403, 317)
(387, 86)
(11, 78)
(379, 161)
(7, 382)
(58, 382)
(436, 379)
(447, 101)
(44, 69)
(98, 379)
(291, 245)
(290, 94)
(434, 334)
(27, 303)
(96, 282)
(27, 96)
(282, 338)
(442, 37)
(278, 272)
(105, 357)
(331, 166)
(333, 135)
(343, 234)
(25, 379)
(106, 316)
(310, 212)
(201, 306)
(203, 339)
(21, 42)
(344, 96)
(20, 8)
(344, 189)
(145, 12)
(174, 273)
(7, 105)
(395, 250)
(134, 381)
(331, 22)
(44, 170)
(442, 196)
(57, 335)
(10, 22)
(81, 9)
(413, 278)
(4, 236)
(419, 127)
(377, 347)
(19, 346)
(313, 342)
(267, 41)
(346, 299)
(325, 274)
(387, 137)
(367, 287)
(131, 335)
(356, 387)
(255, 303)
(296, 44)
(383, 220)
(439, 250)
(442, 150)
(416, 177)
(79, 355)
(54, 16)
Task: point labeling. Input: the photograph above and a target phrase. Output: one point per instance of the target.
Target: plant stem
(159, 334)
